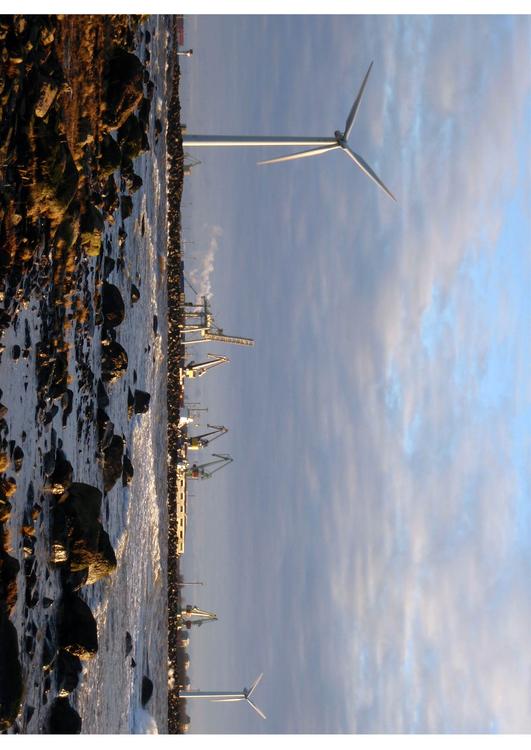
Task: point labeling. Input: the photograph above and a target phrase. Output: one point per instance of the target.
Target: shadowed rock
(10, 672)
(78, 633)
(113, 462)
(127, 472)
(63, 719)
(124, 87)
(113, 307)
(68, 672)
(147, 690)
(91, 228)
(141, 403)
(113, 361)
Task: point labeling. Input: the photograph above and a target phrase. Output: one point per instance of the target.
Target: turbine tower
(319, 145)
(245, 695)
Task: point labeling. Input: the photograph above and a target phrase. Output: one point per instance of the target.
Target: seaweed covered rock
(124, 87)
(112, 304)
(11, 684)
(78, 633)
(114, 361)
(63, 718)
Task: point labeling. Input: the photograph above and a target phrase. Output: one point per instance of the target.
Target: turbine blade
(227, 700)
(255, 683)
(300, 154)
(354, 111)
(356, 158)
(253, 705)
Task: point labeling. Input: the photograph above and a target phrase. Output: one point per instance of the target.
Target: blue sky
(369, 548)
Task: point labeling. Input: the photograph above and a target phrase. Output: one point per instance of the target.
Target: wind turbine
(245, 695)
(319, 145)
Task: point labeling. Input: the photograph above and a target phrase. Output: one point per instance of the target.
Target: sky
(369, 549)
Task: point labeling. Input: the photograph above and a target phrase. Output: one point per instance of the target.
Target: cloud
(200, 278)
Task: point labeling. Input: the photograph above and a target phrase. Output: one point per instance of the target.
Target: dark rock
(113, 462)
(28, 713)
(155, 324)
(73, 580)
(133, 182)
(133, 663)
(61, 477)
(48, 655)
(18, 458)
(15, 352)
(63, 719)
(67, 232)
(124, 87)
(46, 602)
(147, 690)
(127, 472)
(108, 266)
(11, 684)
(128, 643)
(67, 402)
(141, 403)
(78, 633)
(59, 546)
(135, 294)
(110, 155)
(68, 671)
(126, 206)
(131, 137)
(9, 568)
(113, 307)
(91, 229)
(102, 397)
(48, 90)
(114, 361)
(49, 463)
(3, 411)
(105, 428)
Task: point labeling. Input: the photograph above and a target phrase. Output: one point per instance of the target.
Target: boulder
(114, 361)
(113, 462)
(48, 90)
(68, 672)
(127, 472)
(141, 403)
(59, 547)
(61, 477)
(135, 294)
(11, 684)
(113, 307)
(110, 155)
(124, 87)
(91, 228)
(128, 643)
(126, 206)
(147, 690)
(78, 633)
(102, 397)
(99, 562)
(63, 719)
(131, 137)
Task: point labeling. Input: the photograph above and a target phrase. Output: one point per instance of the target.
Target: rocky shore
(75, 113)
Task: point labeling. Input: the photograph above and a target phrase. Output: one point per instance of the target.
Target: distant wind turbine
(245, 695)
(320, 145)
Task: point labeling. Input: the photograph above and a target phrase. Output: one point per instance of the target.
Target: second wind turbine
(320, 145)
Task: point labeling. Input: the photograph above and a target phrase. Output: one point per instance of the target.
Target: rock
(128, 643)
(102, 397)
(63, 719)
(59, 547)
(110, 155)
(147, 690)
(142, 400)
(67, 232)
(135, 294)
(61, 477)
(105, 428)
(78, 634)
(48, 91)
(108, 266)
(113, 307)
(91, 228)
(113, 462)
(99, 563)
(4, 462)
(131, 137)
(18, 458)
(68, 670)
(46, 602)
(9, 569)
(124, 87)
(11, 685)
(67, 402)
(15, 352)
(126, 206)
(49, 463)
(3, 411)
(114, 361)
(127, 472)
(48, 655)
